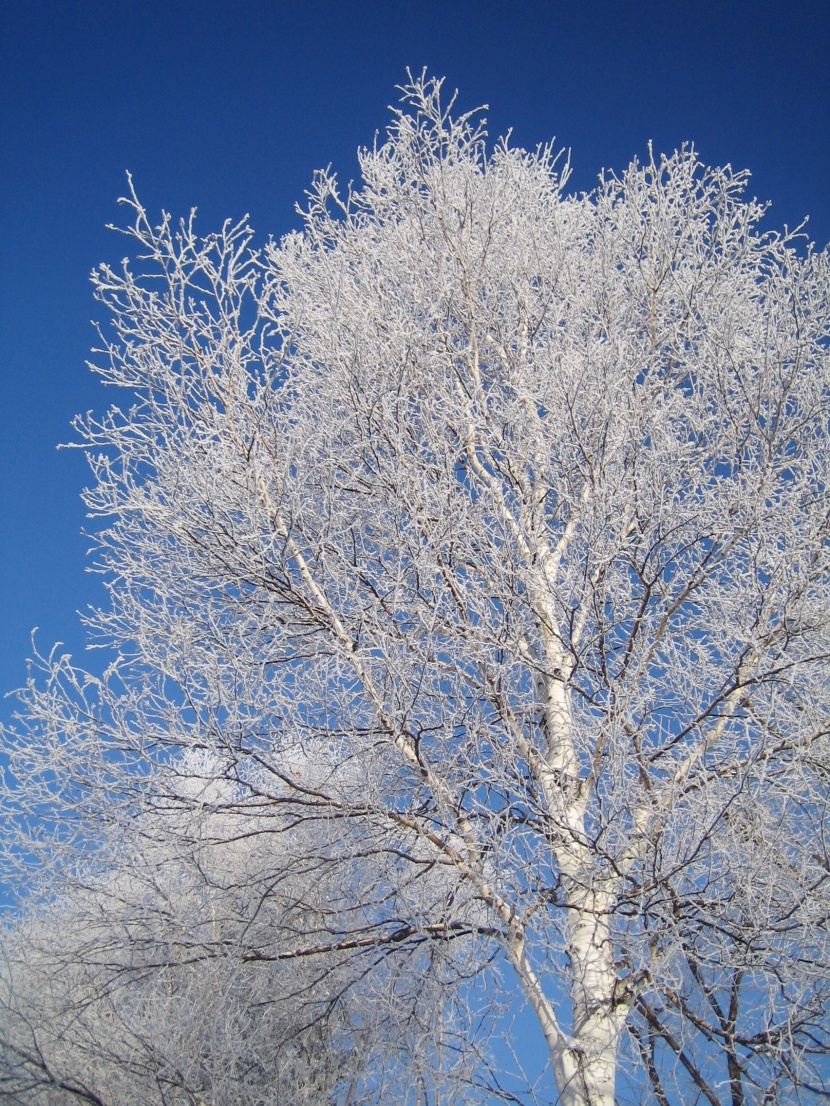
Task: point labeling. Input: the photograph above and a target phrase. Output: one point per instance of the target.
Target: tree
(144, 981)
(482, 531)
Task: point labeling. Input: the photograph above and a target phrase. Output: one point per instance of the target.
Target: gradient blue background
(230, 107)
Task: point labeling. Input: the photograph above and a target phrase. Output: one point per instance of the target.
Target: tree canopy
(468, 600)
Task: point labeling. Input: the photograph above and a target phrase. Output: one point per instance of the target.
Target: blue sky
(231, 107)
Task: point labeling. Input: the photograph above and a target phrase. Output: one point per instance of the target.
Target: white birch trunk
(588, 1076)
(596, 1023)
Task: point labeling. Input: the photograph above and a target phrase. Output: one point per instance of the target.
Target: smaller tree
(478, 535)
(180, 967)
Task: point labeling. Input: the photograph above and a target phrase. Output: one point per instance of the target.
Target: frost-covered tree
(478, 535)
(171, 971)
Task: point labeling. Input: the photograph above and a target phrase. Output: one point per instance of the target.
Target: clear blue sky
(231, 106)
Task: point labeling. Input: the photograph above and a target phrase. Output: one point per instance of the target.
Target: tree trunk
(596, 1018)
